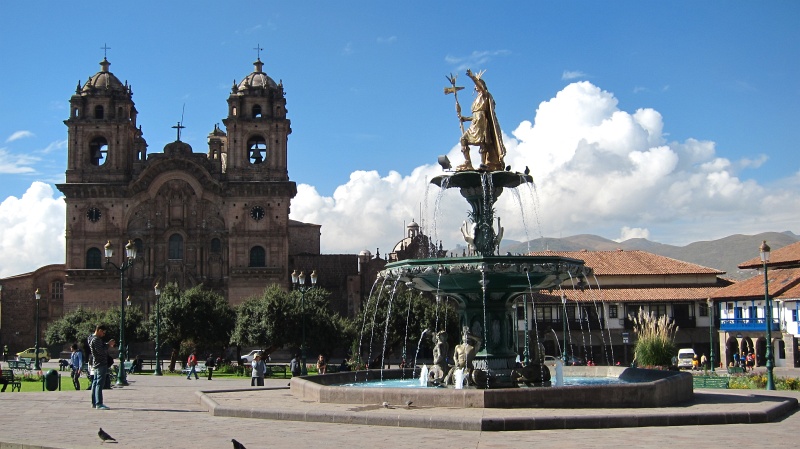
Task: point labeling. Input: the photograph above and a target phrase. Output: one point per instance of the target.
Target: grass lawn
(34, 382)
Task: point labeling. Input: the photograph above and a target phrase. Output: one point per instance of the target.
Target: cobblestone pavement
(157, 412)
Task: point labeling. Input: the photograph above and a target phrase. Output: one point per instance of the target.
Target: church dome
(103, 81)
(257, 79)
(177, 148)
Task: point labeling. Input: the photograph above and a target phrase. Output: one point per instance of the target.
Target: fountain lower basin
(646, 388)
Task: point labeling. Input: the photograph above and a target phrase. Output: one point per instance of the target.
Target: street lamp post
(37, 364)
(711, 331)
(299, 281)
(130, 253)
(158, 329)
(764, 250)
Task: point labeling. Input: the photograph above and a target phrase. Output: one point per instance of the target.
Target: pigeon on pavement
(104, 436)
(385, 404)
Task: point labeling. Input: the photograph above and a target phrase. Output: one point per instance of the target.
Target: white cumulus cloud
(627, 233)
(597, 168)
(32, 230)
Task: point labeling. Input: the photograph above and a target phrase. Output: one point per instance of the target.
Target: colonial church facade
(217, 217)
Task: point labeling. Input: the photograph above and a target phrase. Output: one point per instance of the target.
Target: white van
(685, 357)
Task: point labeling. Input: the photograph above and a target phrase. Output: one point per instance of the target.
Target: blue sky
(673, 121)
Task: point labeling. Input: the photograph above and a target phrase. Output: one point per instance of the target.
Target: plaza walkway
(170, 411)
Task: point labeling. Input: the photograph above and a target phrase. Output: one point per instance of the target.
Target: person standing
(295, 366)
(4, 381)
(76, 363)
(191, 362)
(97, 348)
(210, 365)
(322, 366)
(257, 375)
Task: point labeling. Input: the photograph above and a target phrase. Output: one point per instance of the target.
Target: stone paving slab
(165, 412)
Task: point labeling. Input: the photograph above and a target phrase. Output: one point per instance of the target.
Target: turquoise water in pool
(414, 383)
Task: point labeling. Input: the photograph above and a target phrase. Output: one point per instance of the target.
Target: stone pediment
(196, 166)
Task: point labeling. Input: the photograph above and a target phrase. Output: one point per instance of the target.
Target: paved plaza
(170, 411)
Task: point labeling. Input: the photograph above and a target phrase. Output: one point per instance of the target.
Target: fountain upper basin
(518, 274)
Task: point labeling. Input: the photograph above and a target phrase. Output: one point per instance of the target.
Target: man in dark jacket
(97, 347)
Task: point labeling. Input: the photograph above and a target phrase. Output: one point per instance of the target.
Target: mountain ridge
(723, 254)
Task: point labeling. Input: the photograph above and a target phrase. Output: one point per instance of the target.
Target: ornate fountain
(485, 286)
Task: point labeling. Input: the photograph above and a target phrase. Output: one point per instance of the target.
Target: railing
(572, 324)
(747, 324)
(688, 322)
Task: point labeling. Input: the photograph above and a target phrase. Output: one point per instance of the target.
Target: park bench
(276, 368)
(710, 382)
(11, 380)
(735, 370)
(19, 366)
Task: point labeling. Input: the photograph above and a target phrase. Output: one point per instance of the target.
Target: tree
(73, 327)
(253, 325)
(77, 325)
(411, 313)
(275, 319)
(193, 319)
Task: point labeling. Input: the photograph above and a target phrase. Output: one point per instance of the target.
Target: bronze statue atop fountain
(484, 130)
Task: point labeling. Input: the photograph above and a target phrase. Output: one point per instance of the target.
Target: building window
(176, 247)
(98, 112)
(703, 309)
(93, 259)
(257, 111)
(633, 311)
(794, 315)
(570, 313)
(613, 312)
(57, 290)
(216, 246)
(98, 150)
(258, 257)
(658, 309)
(257, 147)
(544, 313)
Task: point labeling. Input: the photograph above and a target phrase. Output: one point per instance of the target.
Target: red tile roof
(783, 283)
(788, 255)
(632, 294)
(620, 263)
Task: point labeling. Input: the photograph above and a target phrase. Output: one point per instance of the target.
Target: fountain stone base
(646, 388)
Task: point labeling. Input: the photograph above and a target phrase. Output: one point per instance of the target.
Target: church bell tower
(257, 129)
